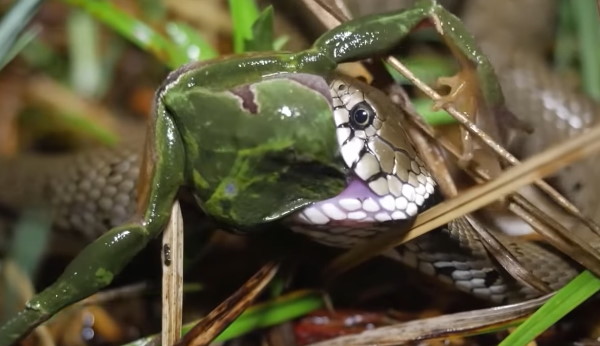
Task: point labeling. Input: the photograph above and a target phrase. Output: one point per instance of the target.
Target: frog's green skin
(247, 167)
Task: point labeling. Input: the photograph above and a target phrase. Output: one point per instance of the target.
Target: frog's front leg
(378, 34)
(95, 267)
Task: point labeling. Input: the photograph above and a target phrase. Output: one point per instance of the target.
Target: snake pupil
(361, 115)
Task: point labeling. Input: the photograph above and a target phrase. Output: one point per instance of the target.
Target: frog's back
(236, 134)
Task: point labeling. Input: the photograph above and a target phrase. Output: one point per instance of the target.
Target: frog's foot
(462, 95)
(465, 98)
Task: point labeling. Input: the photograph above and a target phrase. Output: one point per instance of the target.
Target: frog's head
(386, 180)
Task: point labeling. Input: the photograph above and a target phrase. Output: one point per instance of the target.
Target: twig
(209, 327)
(172, 278)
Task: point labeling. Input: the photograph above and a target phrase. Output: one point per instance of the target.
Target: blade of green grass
(588, 29)
(26, 249)
(280, 42)
(12, 25)
(243, 15)
(427, 68)
(85, 62)
(30, 239)
(262, 32)
(134, 30)
(566, 299)
(279, 310)
(83, 125)
(424, 108)
(264, 315)
(187, 38)
(22, 41)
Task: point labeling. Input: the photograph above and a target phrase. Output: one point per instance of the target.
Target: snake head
(387, 182)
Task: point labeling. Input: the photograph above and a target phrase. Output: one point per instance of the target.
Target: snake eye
(361, 115)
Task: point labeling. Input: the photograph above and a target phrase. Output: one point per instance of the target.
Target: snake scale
(96, 189)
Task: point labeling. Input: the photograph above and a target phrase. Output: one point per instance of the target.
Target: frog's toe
(462, 93)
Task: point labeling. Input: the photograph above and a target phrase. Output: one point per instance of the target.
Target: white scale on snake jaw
(388, 181)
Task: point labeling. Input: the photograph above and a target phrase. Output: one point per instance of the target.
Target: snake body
(89, 191)
(95, 190)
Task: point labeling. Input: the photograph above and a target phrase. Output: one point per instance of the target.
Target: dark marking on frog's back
(246, 94)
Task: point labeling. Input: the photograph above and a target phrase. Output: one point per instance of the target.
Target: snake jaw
(387, 181)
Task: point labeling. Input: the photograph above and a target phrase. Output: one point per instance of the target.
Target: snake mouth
(357, 204)
(387, 181)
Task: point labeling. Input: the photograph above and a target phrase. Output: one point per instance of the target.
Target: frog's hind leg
(95, 267)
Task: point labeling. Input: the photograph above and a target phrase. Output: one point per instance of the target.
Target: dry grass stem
(219, 318)
(172, 278)
(457, 324)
